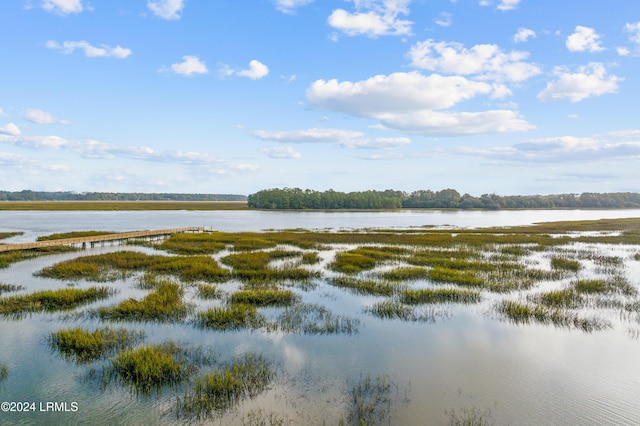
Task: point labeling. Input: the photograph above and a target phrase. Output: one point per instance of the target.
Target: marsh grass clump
(260, 417)
(313, 319)
(616, 284)
(404, 274)
(217, 391)
(470, 417)
(52, 300)
(564, 264)
(101, 267)
(310, 258)
(352, 263)
(208, 291)
(566, 298)
(366, 286)
(247, 244)
(371, 400)
(393, 309)
(636, 256)
(10, 288)
(234, 317)
(516, 251)
(440, 295)
(5, 235)
(151, 367)
(186, 243)
(75, 234)
(9, 257)
(521, 313)
(254, 267)
(83, 345)
(163, 304)
(454, 276)
(4, 371)
(420, 259)
(264, 297)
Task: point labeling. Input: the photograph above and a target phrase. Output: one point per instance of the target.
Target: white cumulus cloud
(290, 6)
(103, 51)
(523, 35)
(508, 4)
(634, 31)
(62, 7)
(256, 70)
(588, 81)
(190, 65)
(42, 117)
(410, 102)
(486, 61)
(584, 39)
(444, 19)
(281, 152)
(10, 129)
(166, 9)
(373, 18)
(343, 138)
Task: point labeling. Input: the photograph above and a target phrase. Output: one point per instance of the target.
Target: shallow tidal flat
(413, 326)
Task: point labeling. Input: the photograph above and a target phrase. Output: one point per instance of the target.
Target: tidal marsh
(393, 309)
(264, 297)
(371, 401)
(52, 300)
(521, 313)
(217, 391)
(10, 288)
(151, 367)
(82, 345)
(313, 319)
(102, 267)
(398, 286)
(4, 371)
(440, 295)
(370, 286)
(233, 317)
(10, 257)
(163, 304)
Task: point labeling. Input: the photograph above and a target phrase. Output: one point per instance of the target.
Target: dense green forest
(296, 198)
(27, 195)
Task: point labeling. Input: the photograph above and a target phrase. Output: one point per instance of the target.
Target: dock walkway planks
(98, 238)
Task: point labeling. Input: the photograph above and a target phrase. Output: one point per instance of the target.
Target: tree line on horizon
(27, 195)
(296, 198)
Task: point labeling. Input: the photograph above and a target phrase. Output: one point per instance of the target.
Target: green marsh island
(354, 326)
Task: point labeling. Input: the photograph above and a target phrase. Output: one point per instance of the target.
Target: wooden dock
(83, 241)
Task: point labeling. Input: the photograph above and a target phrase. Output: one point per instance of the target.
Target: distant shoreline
(121, 205)
(64, 205)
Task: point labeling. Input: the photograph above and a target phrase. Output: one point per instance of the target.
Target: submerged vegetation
(9, 288)
(522, 313)
(4, 371)
(371, 401)
(213, 393)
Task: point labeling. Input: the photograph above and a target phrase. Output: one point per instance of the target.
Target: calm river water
(467, 360)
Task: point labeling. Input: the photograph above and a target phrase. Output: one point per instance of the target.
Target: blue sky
(213, 96)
